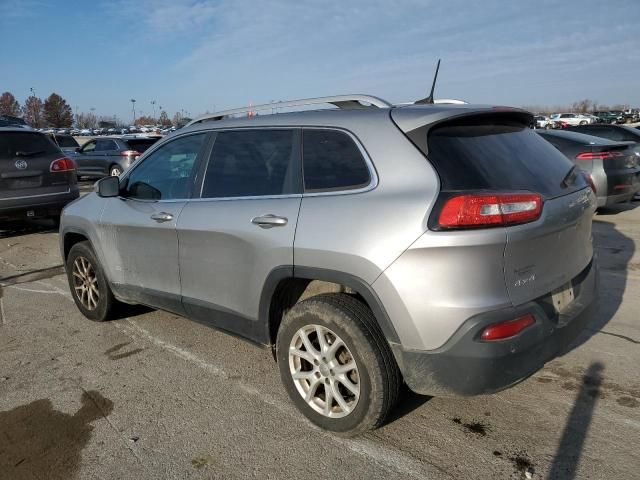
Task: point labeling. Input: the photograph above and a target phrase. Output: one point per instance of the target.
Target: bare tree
(9, 105)
(34, 111)
(57, 111)
(86, 120)
(177, 119)
(164, 118)
(145, 120)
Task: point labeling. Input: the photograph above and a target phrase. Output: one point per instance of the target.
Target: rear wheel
(115, 170)
(88, 284)
(336, 365)
(583, 122)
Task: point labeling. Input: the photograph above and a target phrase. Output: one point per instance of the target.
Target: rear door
(241, 227)
(486, 155)
(140, 226)
(25, 162)
(87, 159)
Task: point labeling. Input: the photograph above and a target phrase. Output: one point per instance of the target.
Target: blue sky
(199, 55)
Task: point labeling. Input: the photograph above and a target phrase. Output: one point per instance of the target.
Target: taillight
(63, 164)
(508, 329)
(481, 210)
(598, 155)
(132, 153)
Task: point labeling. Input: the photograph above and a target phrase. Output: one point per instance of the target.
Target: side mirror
(108, 187)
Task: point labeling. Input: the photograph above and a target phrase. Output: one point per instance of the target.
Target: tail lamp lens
(481, 210)
(63, 164)
(598, 155)
(508, 329)
(132, 153)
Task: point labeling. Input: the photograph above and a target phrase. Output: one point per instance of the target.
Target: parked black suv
(36, 179)
(106, 156)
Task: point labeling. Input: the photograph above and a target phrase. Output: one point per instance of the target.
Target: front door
(241, 228)
(140, 225)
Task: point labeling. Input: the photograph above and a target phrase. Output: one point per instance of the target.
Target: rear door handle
(161, 217)
(269, 221)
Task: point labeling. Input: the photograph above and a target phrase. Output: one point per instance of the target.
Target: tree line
(581, 106)
(55, 111)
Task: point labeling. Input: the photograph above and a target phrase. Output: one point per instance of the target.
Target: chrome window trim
(68, 190)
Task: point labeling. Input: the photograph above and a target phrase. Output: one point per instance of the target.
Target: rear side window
(140, 144)
(25, 144)
(332, 161)
(105, 145)
(502, 157)
(247, 163)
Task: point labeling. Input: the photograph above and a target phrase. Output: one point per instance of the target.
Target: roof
(579, 137)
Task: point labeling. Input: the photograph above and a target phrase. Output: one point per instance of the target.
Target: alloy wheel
(324, 371)
(85, 283)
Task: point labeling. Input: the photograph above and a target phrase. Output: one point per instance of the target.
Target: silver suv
(444, 246)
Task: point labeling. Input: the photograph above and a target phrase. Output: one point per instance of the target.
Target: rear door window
(332, 161)
(248, 163)
(66, 141)
(105, 145)
(483, 155)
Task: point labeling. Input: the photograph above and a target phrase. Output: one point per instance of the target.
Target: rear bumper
(38, 205)
(465, 365)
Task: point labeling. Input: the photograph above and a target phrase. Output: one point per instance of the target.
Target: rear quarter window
(498, 157)
(332, 161)
(140, 145)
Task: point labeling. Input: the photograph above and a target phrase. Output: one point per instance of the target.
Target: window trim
(373, 174)
(205, 149)
(200, 186)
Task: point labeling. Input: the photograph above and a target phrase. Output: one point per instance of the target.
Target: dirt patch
(628, 402)
(475, 427)
(522, 464)
(40, 442)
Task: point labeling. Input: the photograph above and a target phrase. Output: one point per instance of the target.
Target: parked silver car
(446, 246)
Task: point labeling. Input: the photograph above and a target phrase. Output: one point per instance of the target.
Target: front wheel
(88, 284)
(336, 365)
(115, 170)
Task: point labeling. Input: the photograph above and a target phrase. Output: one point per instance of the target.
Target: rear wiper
(570, 178)
(29, 154)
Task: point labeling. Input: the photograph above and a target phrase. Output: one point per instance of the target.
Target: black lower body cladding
(44, 206)
(467, 366)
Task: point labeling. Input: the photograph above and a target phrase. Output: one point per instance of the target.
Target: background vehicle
(36, 179)
(458, 251)
(612, 166)
(66, 143)
(561, 119)
(542, 121)
(605, 117)
(109, 155)
(10, 121)
(620, 133)
(619, 115)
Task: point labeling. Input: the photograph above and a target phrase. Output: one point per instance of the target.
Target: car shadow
(614, 251)
(567, 458)
(27, 227)
(408, 401)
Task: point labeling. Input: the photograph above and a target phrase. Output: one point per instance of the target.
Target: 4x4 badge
(21, 164)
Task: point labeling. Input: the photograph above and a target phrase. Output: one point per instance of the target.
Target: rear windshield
(506, 156)
(141, 144)
(25, 144)
(66, 141)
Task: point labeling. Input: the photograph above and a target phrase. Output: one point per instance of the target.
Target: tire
(583, 122)
(106, 303)
(376, 377)
(115, 170)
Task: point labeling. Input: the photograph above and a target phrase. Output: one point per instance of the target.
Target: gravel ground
(158, 396)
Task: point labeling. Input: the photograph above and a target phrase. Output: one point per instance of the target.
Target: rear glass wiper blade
(29, 154)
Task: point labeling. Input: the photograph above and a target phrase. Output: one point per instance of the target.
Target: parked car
(475, 270)
(36, 179)
(11, 121)
(66, 143)
(542, 122)
(613, 167)
(620, 133)
(109, 155)
(562, 120)
(619, 115)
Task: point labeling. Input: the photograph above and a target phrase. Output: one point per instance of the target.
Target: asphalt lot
(154, 395)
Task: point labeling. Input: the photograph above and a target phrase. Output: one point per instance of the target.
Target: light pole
(33, 92)
(153, 102)
(133, 105)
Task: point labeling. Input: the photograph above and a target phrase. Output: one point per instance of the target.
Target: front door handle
(161, 217)
(269, 221)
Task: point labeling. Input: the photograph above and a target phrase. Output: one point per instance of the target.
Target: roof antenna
(429, 99)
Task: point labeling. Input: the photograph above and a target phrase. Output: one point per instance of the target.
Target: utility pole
(133, 104)
(33, 92)
(153, 102)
